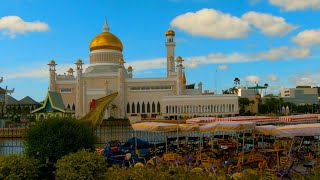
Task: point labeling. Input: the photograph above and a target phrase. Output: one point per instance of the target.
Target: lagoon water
(11, 146)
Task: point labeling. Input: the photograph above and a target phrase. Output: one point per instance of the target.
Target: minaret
(200, 88)
(179, 75)
(130, 69)
(184, 80)
(170, 44)
(52, 71)
(121, 88)
(79, 90)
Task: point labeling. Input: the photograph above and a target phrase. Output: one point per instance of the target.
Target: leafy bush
(18, 167)
(81, 165)
(159, 173)
(51, 139)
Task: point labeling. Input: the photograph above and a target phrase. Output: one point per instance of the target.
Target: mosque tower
(170, 44)
(79, 90)
(52, 73)
(179, 75)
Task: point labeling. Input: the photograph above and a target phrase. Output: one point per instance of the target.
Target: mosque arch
(128, 108)
(133, 108)
(153, 107)
(148, 107)
(158, 107)
(143, 108)
(138, 107)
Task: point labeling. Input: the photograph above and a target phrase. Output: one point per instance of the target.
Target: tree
(266, 85)
(18, 167)
(50, 139)
(236, 81)
(81, 165)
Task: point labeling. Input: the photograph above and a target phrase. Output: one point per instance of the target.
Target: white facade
(146, 97)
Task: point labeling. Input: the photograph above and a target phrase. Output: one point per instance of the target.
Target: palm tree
(265, 91)
(236, 81)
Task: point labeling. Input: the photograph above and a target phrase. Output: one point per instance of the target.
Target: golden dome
(52, 62)
(130, 68)
(170, 32)
(70, 70)
(179, 58)
(79, 61)
(120, 60)
(106, 40)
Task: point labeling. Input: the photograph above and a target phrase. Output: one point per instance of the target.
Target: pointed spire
(106, 26)
(184, 79)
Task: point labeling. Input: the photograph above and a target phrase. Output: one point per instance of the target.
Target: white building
(146, 97)
(300, 95)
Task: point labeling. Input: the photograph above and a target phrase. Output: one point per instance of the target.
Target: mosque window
(138, 107)
(158, 107)
(73, 107)
(143, 108)
(133, 108)
(65, 90)
(148, 107)
(128, 108)
(153, 107)
(149, 88)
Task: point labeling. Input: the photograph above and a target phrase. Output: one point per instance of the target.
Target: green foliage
(51, 139)
(18, 167)
(81, 165)
(159, 173)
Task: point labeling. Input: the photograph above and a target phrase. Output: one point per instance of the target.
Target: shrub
(18, 167)
(51, 139)
(81, 165)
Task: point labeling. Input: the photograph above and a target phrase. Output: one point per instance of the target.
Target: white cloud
(308, 37)
(211, 23)
(273, 77)
(36, 71)
(283, 52)
(305, 79)
(291, 5)
(156, 63)
(254, 2)
(223, 67)
(268, 24)
(253, 79)
(12, 25)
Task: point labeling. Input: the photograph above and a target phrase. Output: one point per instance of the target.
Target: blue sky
(263, 41)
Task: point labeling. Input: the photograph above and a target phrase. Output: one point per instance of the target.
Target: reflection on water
(11, 146)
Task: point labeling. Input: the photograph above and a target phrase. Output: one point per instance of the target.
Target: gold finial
(184, 79)
(70, 70)
(130, 68)
(52, 62)
(79, 61)
(179, 58)
(170, 32)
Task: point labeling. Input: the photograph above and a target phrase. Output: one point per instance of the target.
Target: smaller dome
(79, 61)
(170, 32)
(70, 70)
(121, 60)
(52, 62)
(130, 68)
(179, 58)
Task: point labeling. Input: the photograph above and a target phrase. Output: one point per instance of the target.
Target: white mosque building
(165, 97)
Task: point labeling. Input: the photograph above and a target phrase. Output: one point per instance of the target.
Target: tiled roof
(28, 101)
(11, 101)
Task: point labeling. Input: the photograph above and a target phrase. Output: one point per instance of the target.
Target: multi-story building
(300, 95)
